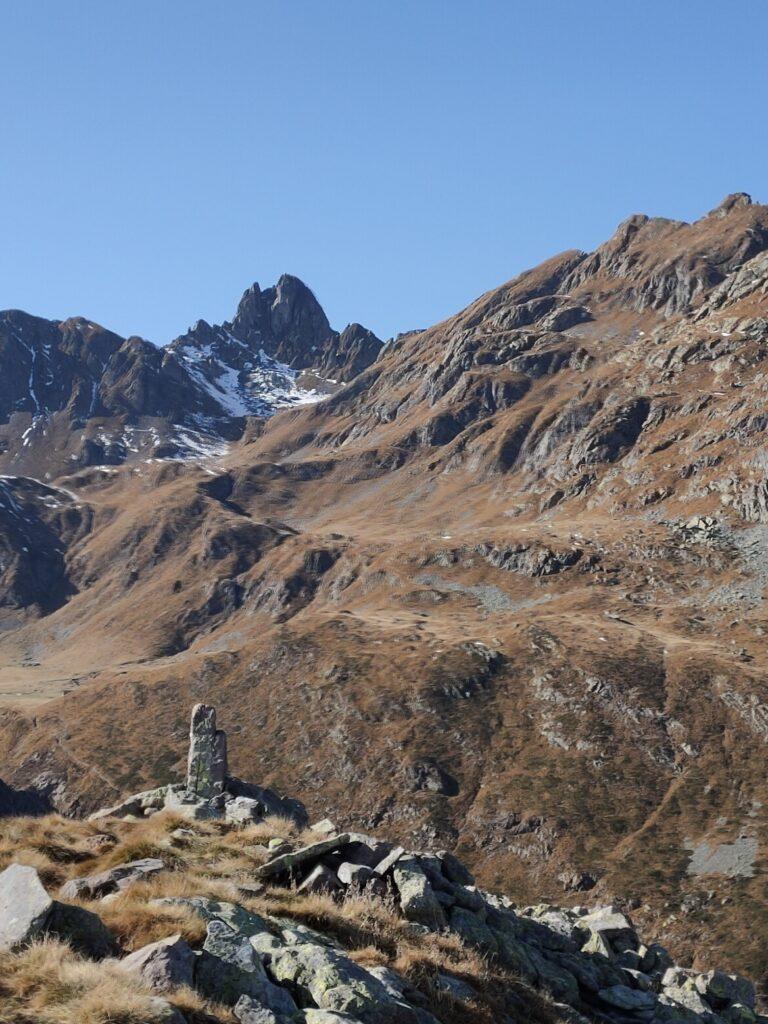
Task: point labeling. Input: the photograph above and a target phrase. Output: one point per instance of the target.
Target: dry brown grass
(49, 984)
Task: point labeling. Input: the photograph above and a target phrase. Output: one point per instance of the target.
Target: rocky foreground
(252, 916)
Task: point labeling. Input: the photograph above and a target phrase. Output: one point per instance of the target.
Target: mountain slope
(503, 592)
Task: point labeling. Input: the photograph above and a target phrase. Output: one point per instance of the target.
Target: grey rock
(455, 987)
(417, 899)
(325, 827)
(117, 878)
(354, 874)
(229, 968)
(554, 979)
(453, 869)
(269, 802)
(207, 758)
(138, 803)
(596, 944)
(625, 998)
(286, 863)
(721, 990)
(314, 1016)
(387, 863)
(25, 906)
(612, 925)
(242, 810)
(325, 978)
(162, 965)
(472, 930)
(27, 913)
(250, 1011)
(240, 920)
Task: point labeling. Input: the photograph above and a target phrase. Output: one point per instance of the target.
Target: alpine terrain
(491, 592)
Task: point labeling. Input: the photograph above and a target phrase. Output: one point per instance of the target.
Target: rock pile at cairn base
(209, 791)
(271, 970)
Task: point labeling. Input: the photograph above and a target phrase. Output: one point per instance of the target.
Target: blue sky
(157, 156)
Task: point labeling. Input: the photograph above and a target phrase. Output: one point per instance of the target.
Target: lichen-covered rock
(229, 968)
(207, 758)
(323, 977)
(240, 920)
(417, 898)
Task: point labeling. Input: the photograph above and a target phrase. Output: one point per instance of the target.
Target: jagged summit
(75, 378)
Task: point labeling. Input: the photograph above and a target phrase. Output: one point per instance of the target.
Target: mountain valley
(496, 586)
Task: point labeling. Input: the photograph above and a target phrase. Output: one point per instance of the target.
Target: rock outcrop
(271, 970)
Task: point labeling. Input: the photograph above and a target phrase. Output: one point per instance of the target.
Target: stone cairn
(207, 759)
(591, 963)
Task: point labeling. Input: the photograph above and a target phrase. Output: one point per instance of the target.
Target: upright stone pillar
(207, 761)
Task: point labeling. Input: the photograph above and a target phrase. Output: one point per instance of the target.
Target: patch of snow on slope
(259, 388)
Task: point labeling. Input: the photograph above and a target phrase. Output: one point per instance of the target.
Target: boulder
(473, 930)
(242, 810)
(454, 987)
(597, 945)
(453, 869)
(138, 803)
(612, 925)
(240, 920)
(388, 862)
(248, 1010)
(314, 1016)
(162, 965)
(270, 803)
(325, 827)
(286, 863)
(325, 978)
(229, 967)
(113, 880)
(417, 898)
(27, 913)
(25, 906)
(354, 874)
(207, 758)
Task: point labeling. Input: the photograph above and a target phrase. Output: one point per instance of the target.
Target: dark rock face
(211, 374)
(14, 802)
(284, 323)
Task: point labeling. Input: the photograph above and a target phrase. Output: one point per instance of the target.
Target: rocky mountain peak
(733, 201)
(286, 321)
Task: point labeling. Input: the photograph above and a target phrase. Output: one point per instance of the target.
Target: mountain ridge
(503, 591)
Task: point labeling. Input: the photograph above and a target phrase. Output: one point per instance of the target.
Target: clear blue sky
(401, 156)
